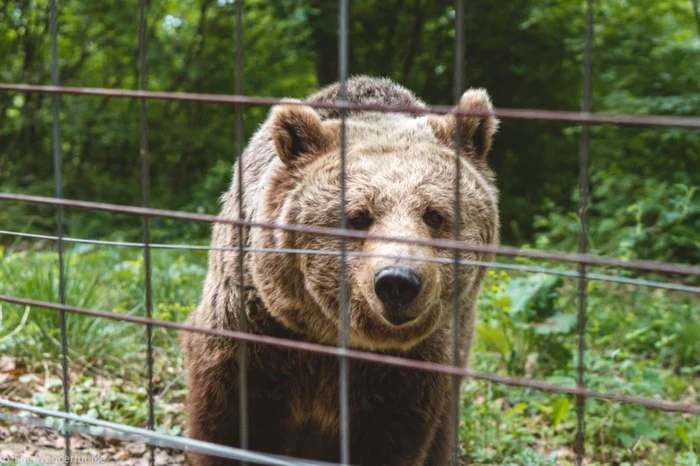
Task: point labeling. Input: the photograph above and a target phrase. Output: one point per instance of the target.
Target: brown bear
(400, 182)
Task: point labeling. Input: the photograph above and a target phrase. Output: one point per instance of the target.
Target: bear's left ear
(475, 131)
(298, 130)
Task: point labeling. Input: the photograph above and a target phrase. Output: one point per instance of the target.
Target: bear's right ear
(298, 130)
(475, 132)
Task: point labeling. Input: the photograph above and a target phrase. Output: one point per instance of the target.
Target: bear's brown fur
(400, 182)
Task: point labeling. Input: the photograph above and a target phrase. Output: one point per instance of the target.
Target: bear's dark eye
(360, 221)
(433, 219)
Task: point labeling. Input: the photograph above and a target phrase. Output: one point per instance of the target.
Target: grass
(641, 342)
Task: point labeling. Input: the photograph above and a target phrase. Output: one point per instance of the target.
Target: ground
(27, 444)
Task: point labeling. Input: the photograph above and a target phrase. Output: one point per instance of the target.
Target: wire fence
(70, 423)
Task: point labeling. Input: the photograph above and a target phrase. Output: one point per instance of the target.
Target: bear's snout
(397, 287)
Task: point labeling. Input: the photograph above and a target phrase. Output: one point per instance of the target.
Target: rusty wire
(462, 262)
(72, 423)
(509, 113)
(588, 259)
(366, 356)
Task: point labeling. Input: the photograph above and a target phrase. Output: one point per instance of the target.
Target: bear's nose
(397, 287)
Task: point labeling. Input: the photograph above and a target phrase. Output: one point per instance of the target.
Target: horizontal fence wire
(588, 259)
(320, 252)
(112, 430)
(508, 113)
(367, 356)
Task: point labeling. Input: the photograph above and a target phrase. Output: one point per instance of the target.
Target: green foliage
(633, 217)
(687, 459)
(36, 276)
(656, 324)
(636, 338)
(118, 404)
(96, 278)
(527, 54)
(522, 321)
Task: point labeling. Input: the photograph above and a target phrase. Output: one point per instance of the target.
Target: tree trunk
(324, 38)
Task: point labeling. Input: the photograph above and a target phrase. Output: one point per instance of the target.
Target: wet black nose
(397, 287)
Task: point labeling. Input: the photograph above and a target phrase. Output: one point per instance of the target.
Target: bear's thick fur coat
(400, 183)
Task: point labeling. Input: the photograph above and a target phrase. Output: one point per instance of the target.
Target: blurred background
(527, 54)
(645, 202)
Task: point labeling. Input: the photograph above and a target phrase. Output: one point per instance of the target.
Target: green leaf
(648, 431)
(687, 459)
(626, 439)
(682, 434)
(515, 410)
(522, 291)
(494, 339)
(560, 409)
(560, 323)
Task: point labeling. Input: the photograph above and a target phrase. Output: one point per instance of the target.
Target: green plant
(522, 321)
(631, 216)
(96, 279)
(34, 275)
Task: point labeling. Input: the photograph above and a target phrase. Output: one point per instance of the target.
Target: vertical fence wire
(58, 178)
(456, 295)
(579, 443)
(242, 316)
(342, 100)
(146, 196)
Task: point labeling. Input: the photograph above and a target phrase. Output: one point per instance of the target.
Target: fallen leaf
(137, 449)
(121, 456)
(7, 364)
(11, 366)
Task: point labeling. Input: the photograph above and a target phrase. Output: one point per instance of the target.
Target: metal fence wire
(72, 423)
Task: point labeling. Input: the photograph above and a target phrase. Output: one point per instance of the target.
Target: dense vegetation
(645, 186)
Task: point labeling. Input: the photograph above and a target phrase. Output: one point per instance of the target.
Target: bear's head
(399, 183)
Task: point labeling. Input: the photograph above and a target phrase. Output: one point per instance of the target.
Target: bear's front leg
(442, 447)
(401, 427)
(402, 440)
(212, 400)
(214, 406)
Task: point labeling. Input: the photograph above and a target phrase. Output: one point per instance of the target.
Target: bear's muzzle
(397, 287)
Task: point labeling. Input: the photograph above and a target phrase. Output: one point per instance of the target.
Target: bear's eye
(360, 221)
(433, 219)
